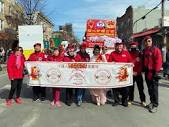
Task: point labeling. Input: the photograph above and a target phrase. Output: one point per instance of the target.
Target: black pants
(153, 90)
(16, 85)
(123, 92)
(139, 80)
(39, 91)
(69, 94)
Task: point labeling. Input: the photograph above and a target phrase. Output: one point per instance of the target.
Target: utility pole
(164, 49)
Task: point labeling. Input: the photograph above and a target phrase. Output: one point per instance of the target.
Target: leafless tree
(32, 6)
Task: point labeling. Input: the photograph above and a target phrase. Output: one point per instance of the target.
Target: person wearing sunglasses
(152, 63)
(15, 67)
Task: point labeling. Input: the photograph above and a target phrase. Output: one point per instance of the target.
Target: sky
(78, 12)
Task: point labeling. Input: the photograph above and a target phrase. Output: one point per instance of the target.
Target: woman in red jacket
(15, 67)
(69, 57)
(57, 57)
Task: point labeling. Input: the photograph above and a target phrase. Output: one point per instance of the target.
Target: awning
(145, 33)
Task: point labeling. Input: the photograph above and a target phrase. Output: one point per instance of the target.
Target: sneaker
(52, 105)
(42, 99)
(8, 102)
(129, 103)
(143, 104)
(98, 104)
(150, 106)
(18, 100)
(35, 99)
(115, 104)
(153, 110)
(68, 103)
(79, 103)
(58, 104)
(125, 103)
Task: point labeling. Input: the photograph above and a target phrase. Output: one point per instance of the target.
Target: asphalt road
(37, 114)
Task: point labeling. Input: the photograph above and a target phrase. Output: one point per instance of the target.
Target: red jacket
(13, 71)
(82, 58)
(37, 56)
(137, 61)
(69, 59)
(123, 57)
(56, 58)
(152, 59)
(107, 56)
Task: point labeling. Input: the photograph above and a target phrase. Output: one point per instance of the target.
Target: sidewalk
(3, 67)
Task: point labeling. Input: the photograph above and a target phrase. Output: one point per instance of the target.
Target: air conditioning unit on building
(165, 22)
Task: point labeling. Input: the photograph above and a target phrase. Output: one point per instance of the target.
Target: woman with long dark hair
(15, 67)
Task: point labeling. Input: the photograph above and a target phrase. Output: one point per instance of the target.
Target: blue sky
(78, 11)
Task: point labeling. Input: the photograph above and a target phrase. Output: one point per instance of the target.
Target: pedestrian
(152, 61)
(123, 56)
(166, 66)
(15, 67)
(105, 56)
(99, 94)
(105, 53)
(69, 57)
(56, 57)
(38, 55)
(82, 56)
(136, 56)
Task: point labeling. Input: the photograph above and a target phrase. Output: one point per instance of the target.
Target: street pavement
(38, 114)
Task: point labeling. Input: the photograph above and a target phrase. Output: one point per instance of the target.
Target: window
(1, 6)
(10, 10)
(1, 24)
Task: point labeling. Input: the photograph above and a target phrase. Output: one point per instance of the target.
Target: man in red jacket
(136, 56)
(82, 56)
(38, 56)
(152, 61)
(69, 57)
(120, 55)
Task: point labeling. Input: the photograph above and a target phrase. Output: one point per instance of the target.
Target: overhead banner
(79, 75)
(96, 27)
(100, 32)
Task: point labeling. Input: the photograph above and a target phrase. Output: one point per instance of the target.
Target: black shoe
(125, 103)
(79, 103)
(42, 99)
(69, 103)
(152, 108)
(115, 104)
(35, 98)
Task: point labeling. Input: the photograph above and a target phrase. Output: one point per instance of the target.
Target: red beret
(147, 37)
(36, 44)
(134, 43)
(83, 46)
(70, 47)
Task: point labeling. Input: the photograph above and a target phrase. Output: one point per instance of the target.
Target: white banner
(80, 75)
(29, 35)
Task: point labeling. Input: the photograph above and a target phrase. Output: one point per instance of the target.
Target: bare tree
(30, 7)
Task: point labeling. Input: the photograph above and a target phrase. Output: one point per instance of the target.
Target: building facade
(11, 15)
(131, 26)
(41, 19)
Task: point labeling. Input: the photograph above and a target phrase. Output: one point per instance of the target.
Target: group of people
(148, 61)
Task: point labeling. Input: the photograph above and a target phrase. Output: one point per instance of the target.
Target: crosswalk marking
(7, 86)
(32, 119)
